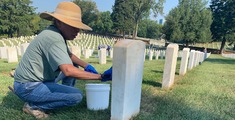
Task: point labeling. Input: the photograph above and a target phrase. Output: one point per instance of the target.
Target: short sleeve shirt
(42, 58)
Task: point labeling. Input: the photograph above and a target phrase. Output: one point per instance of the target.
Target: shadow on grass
(168, 107)
(11, 108)
(94, 62)
(152, 83)
(220, 61)
(157, 71)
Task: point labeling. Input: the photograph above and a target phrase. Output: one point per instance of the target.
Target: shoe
(37, 113)
(12, 72)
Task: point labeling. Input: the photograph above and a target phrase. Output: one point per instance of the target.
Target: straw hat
(68, 13)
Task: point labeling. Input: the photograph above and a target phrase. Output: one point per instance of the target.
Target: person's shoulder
(51, 32)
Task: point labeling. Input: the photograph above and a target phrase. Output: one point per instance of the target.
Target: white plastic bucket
(97, 96)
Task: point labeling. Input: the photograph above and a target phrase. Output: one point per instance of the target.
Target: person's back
(34, 65)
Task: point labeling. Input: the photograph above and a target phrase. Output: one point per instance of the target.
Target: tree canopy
(223, 25)
(189, 22)
(128, 13)
(16, 17)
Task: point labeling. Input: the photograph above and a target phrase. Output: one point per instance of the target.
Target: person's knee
(76, 98)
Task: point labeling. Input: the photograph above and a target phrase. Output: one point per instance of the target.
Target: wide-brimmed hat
(68, 13)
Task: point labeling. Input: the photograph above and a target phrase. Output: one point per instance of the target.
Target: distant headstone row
(189, 60)
(229, 55)
(86, 44)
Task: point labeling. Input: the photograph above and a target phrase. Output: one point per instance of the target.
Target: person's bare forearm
(71, 71)
(78, 61)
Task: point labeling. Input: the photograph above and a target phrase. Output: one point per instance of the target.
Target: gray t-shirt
(42, 58)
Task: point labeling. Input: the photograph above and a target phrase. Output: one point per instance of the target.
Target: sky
(102, 5)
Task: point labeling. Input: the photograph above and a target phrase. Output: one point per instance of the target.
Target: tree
(141, 9)
(149, 29)
(42, 24)
(231, 39)
(203, 33)
(128, 13)
(189, 22)
(89, 11)
(172, 27)
(121, 16)
(223, 24)
(104, 23)
(15, 16)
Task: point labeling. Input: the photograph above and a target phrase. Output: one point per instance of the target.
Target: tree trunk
(135, 31)
(123, 34)
(10, 35)
(18, 33)
(186, 43)
(233, 46)
(222, 45)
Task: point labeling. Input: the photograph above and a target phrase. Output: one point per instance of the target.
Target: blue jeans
(47, 95)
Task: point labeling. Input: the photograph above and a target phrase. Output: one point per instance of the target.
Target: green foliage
(189, 22)
(149, 29)
(42, 24)
(128, 14)
(15, 17)
(223, 12)
(104, 23)
(89, 11)
(121, 16)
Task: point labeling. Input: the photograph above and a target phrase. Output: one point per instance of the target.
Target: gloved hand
(107, 75)
(91, 69)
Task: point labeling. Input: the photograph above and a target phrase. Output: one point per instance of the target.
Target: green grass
(206, 92)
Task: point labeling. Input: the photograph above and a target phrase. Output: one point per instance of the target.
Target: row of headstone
(229, 55)
(12, 42)
(12, 53)
(91, 41)
(155, 54)
(189, 60)
(102, 53)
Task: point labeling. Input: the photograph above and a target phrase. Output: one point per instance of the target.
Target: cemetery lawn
(207, 92)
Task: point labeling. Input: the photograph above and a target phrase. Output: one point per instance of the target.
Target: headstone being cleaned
(128, 63)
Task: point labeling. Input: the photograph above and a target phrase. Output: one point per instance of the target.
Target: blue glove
(107, 75)
(91, 69)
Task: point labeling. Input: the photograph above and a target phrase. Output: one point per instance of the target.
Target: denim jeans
(47, 95)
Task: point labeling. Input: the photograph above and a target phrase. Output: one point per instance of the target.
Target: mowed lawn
(207, 92)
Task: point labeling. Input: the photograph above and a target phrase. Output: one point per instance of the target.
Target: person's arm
(71, 71)
(78, 61)
(87, 67)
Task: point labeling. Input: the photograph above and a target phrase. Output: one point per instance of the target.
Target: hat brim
(73, 23)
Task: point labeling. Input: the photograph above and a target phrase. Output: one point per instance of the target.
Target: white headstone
(191, 60)
(156, 55)
(111, 53)
(184, 61)
(162, 54)
(87, 53)
(128, 63)
(170, 65)
(23, 48)
(76, 50)
(12, 55)
(150, 55)
(3, 52)
(102, 56)
(18, 50)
